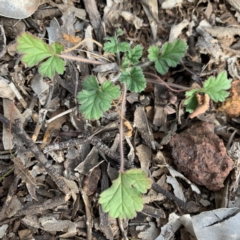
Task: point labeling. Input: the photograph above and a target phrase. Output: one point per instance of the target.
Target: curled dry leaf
(129, 128)
(203, 105)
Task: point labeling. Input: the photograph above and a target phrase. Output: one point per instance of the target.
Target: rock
(201, 156)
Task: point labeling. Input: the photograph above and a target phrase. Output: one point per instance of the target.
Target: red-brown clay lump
(201, 156)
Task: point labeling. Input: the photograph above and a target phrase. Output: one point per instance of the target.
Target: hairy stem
(121, 137)
(167, 85)
(80, 59)
(145, 64)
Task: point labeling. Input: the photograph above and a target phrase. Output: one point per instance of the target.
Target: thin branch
(60, 115)
(189, 207)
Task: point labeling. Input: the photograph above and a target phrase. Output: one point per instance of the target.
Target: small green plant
(34, 51)
(214, 87)
(96, 99)
(169, 56)
(124, 198)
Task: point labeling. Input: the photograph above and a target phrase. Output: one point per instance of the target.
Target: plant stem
(161, 81)
(145, 64)
(81, 42)
(121, 137)
(80, 59)
(6, 174)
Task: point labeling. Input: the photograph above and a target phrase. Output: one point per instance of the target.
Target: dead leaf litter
(54, 163)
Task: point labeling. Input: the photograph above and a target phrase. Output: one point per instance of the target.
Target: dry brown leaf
(5, 90)
(144, 154)
(129, 128)
(91, 182)
(13, 114)
(141, 123)
(25, 234)
(55, 124)
(73, 187)
(203, 105)
(13, 207)
(71, 39)
(26, 177)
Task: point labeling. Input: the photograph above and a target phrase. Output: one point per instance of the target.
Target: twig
(120, 224)
(60, 115)
(170, 196)
(231, 139)
(124, 92)
(38, 154)
(89, 221)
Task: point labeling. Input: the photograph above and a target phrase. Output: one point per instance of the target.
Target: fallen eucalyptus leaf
(18, 9)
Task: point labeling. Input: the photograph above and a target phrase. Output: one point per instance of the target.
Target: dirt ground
(55, 162)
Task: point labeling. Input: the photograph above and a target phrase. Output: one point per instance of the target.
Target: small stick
(89, 221)
(60, 115)
(170, 196)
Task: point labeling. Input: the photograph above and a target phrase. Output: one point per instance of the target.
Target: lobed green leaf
(95, 99)
(216, 87)
(113, 46)
(52, 65)
(34, 50)
(134, 79)
(124, 198)
(170, 56)
(119, 32)
(133, 55)
(191, 103)
(153, 53)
